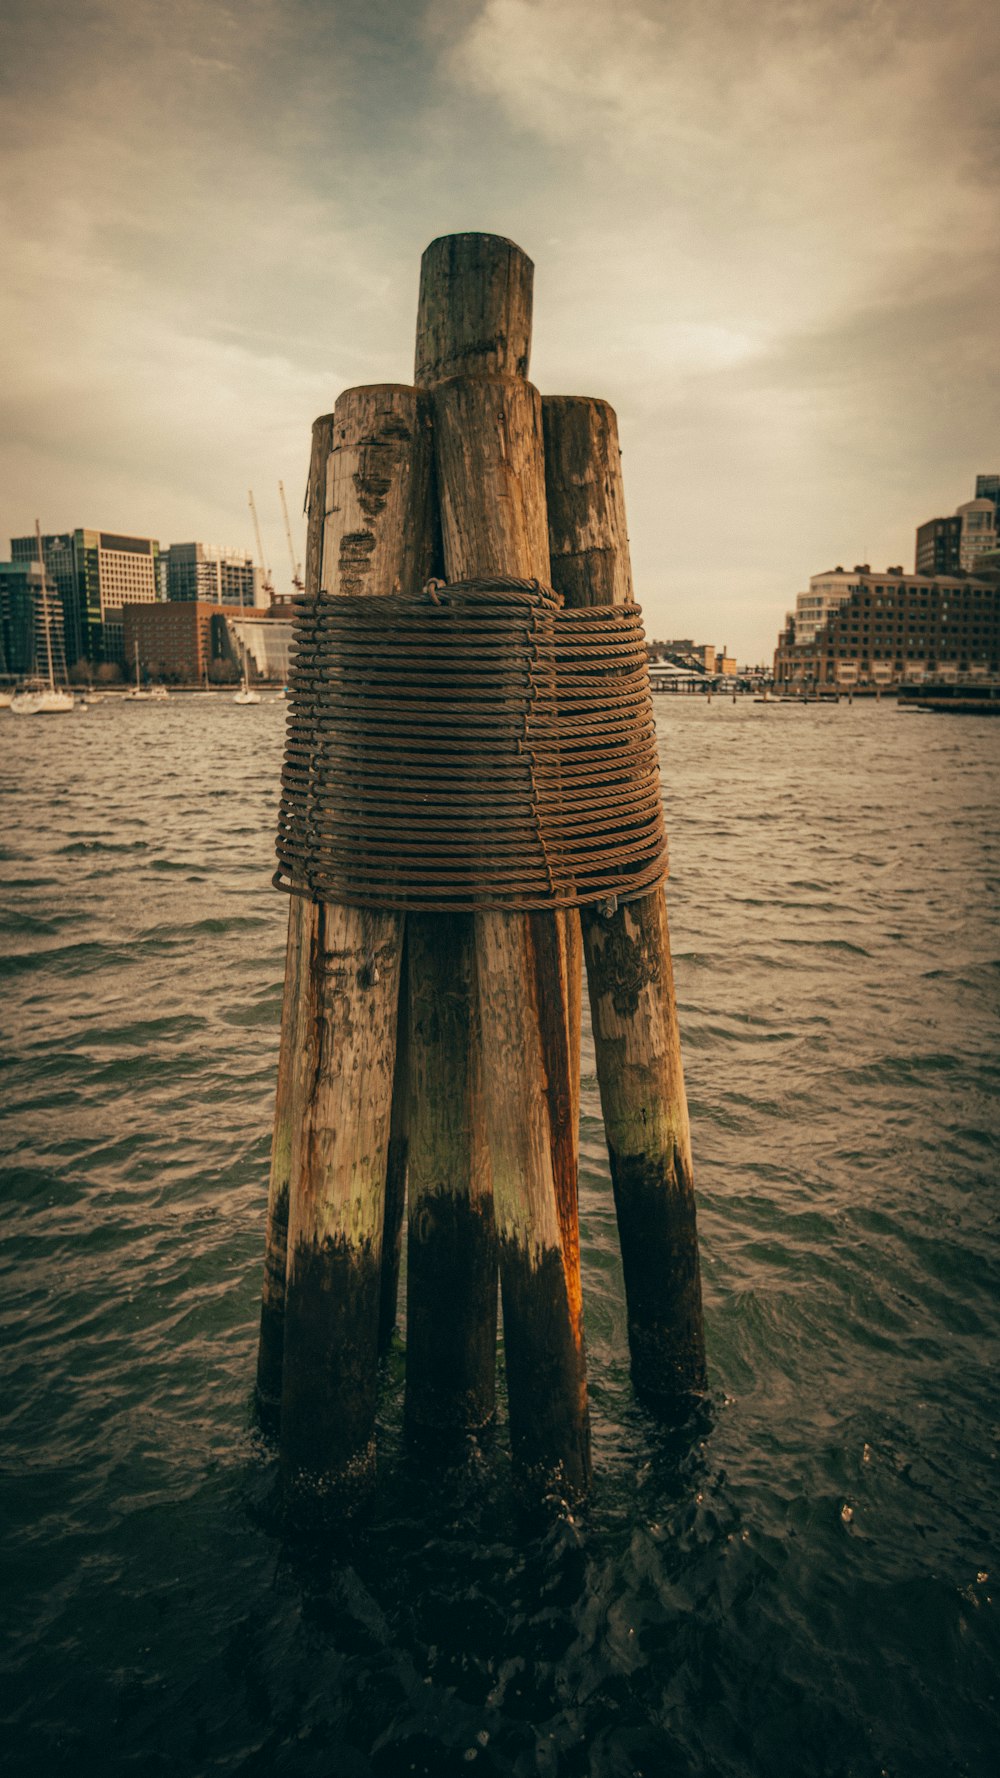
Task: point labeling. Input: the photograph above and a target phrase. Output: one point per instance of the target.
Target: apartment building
(895, 627)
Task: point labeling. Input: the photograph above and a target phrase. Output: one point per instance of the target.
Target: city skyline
(770, 241)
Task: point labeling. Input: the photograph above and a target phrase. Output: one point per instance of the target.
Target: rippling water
(802, 1581)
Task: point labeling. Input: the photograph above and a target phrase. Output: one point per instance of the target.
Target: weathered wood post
(451, 1287)
(473, 340)
(396, 1169)
(297, 1023)
(377, 539)
(629, 969)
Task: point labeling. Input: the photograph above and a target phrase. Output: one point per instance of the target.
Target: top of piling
(474, 309)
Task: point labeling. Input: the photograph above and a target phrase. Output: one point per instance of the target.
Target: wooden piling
(376, 539)
(629, 969)
(472, 350)
(451, 1295)
(451, 1286)
(297, 1026)
(396, 1169)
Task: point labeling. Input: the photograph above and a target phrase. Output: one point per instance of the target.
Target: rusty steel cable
(476, 746)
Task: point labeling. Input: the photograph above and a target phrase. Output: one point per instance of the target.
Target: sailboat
(246, 693)
(155, 693)
(44, 700)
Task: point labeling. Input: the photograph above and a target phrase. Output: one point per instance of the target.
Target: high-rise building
(215, 576)
(979, 530)
(939, 546)
(17, 621)
(947, 544)
(988, 488)
(31, 623)
(95, 573)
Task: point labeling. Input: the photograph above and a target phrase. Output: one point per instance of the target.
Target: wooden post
(297, 1025)
(472, 349)
(451, 1294)
(377, 538)
(396, 1168)
(629, 969)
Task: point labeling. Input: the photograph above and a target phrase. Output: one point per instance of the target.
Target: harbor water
(802, 1580)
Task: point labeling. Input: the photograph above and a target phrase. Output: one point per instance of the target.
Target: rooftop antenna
(268, 582)
(296, 566)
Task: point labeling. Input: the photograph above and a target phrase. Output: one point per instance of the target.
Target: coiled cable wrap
(476, 746)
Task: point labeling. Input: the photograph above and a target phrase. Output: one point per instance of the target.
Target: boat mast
(45, 604)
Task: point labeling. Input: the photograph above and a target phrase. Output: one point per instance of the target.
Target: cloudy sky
(767, 234)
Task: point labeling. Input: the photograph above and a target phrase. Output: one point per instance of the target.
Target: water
(801, 1581)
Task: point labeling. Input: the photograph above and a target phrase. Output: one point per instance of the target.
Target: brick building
(178, 642)
(894, 627)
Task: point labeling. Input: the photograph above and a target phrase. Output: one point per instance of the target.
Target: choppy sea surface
(803, 1580)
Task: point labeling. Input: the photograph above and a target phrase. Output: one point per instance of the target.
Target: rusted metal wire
(477, 746)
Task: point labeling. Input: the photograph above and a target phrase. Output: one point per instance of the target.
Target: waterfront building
(180, 641)
(979, 530)
(264, 640)
(202, 571)
(683, 652)
(946, 544)
(826, 592)
(16, 621)
(939, 546)
(893, 627)
(30, 604)
(95, 573)
(988, 488)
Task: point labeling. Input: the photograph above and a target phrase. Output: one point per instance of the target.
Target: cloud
(767, 235)
(852, 135)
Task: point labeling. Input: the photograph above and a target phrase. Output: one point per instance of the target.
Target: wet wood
(475, 306)
(396, 1170)
(297, 1025)
(629, 969)
(377, 539)
(335, 1218)
(451, 1295)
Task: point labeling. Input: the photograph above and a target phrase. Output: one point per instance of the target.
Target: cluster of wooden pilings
(430, 1063)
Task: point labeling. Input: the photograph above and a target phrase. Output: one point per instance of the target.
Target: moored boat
(42, 699)
(47, 701)
(246, 693)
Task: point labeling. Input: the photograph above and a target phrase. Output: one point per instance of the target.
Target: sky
(767, 234)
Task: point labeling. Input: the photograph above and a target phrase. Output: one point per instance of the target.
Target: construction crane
(268, 582)
(297, 581)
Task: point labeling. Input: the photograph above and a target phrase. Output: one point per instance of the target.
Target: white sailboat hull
(41, 703)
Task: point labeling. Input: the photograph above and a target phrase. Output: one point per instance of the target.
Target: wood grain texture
(335, 1214)
(451, 1299)
(490, 477)
(473, 310)
(629, 970)
(588, 535)
(377, 538)
(297, 1024)
(378, 534)
(397, 1166)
